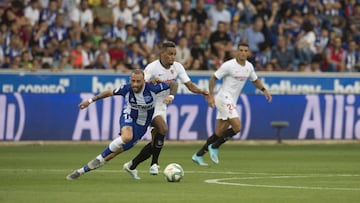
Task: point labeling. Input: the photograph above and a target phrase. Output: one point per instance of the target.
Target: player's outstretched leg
(198, 157)
(133, 173)
(109, 153)
(214, 147)
(199, 160)
(92, 165)
(213, 154)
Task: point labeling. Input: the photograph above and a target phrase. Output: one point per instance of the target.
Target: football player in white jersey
(136, 116)
(165, 69)
(234, 73)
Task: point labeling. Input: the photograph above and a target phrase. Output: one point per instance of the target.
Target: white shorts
(225, 107)
(160, 110)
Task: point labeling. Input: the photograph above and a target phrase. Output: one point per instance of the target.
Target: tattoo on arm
(173, 88)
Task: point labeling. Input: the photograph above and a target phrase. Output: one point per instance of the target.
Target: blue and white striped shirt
(140, 106)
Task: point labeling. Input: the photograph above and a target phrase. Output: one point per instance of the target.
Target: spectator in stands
(150, 38)
(268, 14)
(82, 17)
(305, 46)
(303, 67)
(133, 5)
(246, 11)
(131, 35)
(352, 57)
(135, 57)
(220, 43)
(27, 64)
(77, 57)
(269, 67)
(235, 34)
(48, 14)
(13, 52)
(173, 4)
(103, 15)
(198, 53)
(283, 55)
(185, 14)
(100, 62)
(315, 65)
(117, 56)
(290, 23)
(15, 12)
(354, 22)
(322, 40)
(124, 12)
(254, 35)
(157, 12)
(199, 15)
(142, 18)
(40, 39)
(183, 55)
(88, 55)
(32, 12)
(262, 57)
(104, 51)
(58, 31)
(334, 60)
(218, 13)
(117, 31)
(97, 36)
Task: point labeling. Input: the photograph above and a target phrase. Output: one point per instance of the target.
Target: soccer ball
(173, 172)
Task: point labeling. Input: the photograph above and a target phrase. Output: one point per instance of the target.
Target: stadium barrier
(43, 106)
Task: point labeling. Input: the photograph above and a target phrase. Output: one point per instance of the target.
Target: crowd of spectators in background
(121, 35)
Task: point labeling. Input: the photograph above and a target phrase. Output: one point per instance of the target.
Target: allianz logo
(12, 117)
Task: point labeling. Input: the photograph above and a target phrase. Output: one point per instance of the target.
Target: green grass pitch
(251, 173)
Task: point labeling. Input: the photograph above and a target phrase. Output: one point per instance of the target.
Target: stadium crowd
(121, 35)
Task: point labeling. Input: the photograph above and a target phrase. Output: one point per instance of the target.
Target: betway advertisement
(280, 83)
(43, 106)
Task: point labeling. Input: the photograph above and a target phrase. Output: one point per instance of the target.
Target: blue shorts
(138, 130)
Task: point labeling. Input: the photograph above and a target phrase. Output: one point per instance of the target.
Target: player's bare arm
(102, 95)
(194, 89)
(173, 89)
(258, 84)
(211, 100)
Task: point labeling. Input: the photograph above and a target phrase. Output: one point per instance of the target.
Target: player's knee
(159, 141)
(162, 130)
(236, 130)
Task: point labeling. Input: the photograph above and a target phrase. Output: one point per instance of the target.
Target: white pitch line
(222, 181)
(266, 175)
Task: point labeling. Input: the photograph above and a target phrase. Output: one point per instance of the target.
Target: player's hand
(205, 93)
(211, 101)
(168, 100)
(268, 96)
(155, 81)
(84, 104)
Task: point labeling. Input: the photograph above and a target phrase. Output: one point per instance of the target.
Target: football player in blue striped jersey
(140, 99)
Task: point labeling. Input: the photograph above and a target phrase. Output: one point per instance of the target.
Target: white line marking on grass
(266, 175)
(224, 181)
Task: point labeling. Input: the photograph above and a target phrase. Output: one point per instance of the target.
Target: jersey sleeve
(122, 90)
(159, 87)
(222, 71)
(183, 76)
(252, 76)
(148, 74)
